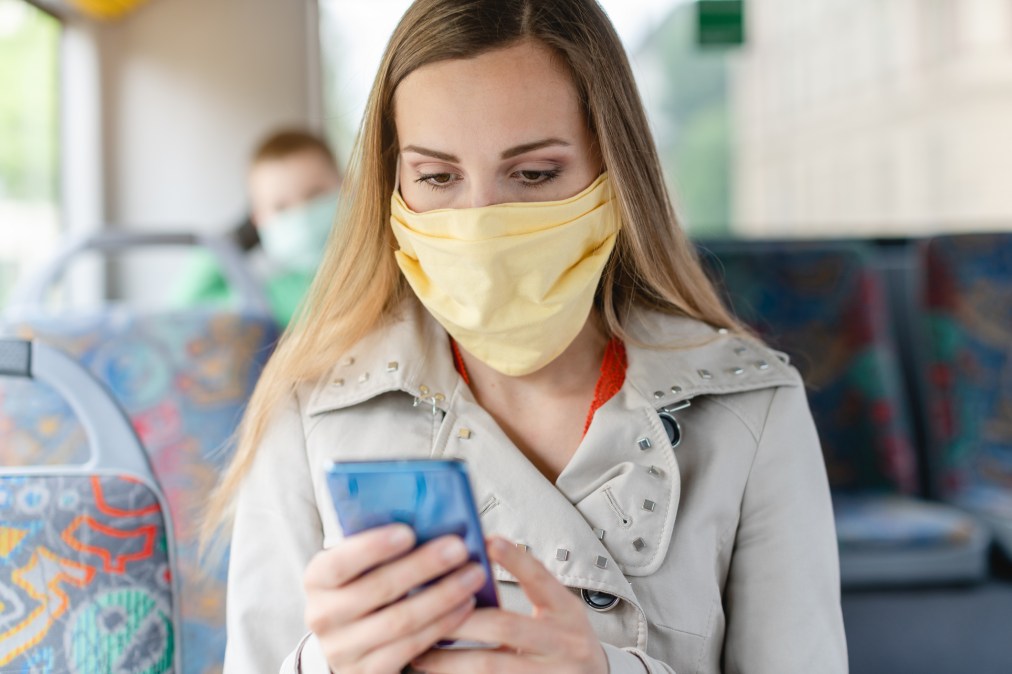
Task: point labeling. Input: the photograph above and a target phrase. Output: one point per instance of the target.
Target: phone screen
(431, 496)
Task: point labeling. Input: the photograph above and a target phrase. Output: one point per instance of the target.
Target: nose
(484, 193)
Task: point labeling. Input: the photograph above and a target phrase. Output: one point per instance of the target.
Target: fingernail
(473, 576)
(453, 550)
(401, 535)
(498, 544)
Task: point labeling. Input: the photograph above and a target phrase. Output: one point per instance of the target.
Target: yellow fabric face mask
(512, 283)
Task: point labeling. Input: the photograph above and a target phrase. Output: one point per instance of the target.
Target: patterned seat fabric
(85, 580)
(823, 305)
(183, 380)
(968, 368)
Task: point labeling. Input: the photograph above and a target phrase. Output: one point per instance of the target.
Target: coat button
(671, 425)
(672, 428)
(599, 601)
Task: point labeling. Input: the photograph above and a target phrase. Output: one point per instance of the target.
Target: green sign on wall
(721, 22)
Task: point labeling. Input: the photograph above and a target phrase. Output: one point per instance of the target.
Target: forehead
(288, 177)
(292, 168)
(512, 95)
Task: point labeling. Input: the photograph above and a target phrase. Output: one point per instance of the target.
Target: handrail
(29, 295)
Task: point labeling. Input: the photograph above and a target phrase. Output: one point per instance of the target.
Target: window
(29, 138)
(835, 118)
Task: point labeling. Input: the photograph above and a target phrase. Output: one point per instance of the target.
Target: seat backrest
(87, 580)
(823, 304)
(183, 378)
(967, 361)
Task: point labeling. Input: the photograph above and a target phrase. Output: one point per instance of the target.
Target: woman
(509, 286)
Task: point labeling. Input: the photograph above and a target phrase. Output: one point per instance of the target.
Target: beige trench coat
(734, 566)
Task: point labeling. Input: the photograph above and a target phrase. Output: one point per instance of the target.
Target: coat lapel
(521, 505)
(624, 481)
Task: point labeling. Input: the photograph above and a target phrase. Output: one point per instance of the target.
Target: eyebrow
(507, 154)
(530, 147)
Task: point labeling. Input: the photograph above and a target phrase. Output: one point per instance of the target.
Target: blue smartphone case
(432, 496)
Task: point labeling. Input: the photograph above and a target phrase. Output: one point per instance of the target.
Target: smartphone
(432, 496)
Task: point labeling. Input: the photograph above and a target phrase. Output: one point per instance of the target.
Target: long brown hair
(358, 283)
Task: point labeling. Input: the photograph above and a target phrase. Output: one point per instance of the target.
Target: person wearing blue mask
(293, 189)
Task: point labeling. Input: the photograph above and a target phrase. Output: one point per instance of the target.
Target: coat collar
(410, 353)
(675, 359)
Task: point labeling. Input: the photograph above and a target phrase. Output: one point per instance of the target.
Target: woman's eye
(436, 181)
(530, 178)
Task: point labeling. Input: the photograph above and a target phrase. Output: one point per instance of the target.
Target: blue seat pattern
(824, 305)
(85, 579)
(183, 379)
(968, 367)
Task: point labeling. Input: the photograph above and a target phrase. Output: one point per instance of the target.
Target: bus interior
(842, 168)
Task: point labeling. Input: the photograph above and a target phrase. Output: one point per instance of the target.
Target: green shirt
(203, 284)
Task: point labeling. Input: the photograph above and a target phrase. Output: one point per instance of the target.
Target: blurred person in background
(293, 188)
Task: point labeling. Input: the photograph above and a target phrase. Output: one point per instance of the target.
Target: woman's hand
(356, 604)
(556, 638)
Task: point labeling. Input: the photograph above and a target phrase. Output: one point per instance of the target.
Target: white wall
(874, 117)
(188, 88)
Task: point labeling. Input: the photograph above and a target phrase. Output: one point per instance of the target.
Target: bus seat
(967, 373)
(87, 569)
(824, 305)
(183, 377)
